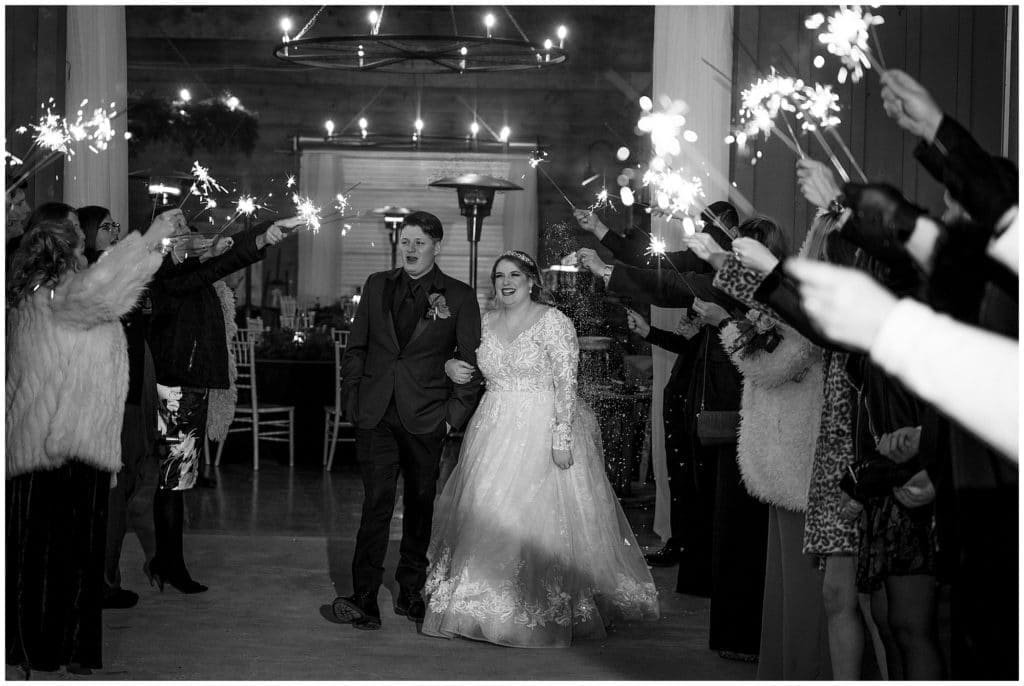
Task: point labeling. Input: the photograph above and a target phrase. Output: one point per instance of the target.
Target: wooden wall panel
(957, 52)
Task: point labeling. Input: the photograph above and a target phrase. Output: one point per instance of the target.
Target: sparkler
(603, 200)
(656, 248)
(817, 109)
(538, 157)
(57, 135)
(763, 101)
(846, 36)
(308, 212)
(203, 184)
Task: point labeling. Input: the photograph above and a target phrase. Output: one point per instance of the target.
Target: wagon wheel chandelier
(457, 53)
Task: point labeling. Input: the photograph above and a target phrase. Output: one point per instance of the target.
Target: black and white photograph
(536, 342)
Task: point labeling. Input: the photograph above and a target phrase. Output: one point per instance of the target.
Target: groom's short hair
(430, 224)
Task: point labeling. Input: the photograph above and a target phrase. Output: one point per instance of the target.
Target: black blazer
(186, 330)
(375, 369)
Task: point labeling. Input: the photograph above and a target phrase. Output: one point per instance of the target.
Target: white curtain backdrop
(331, 265)
(683, 38)
(98, 71)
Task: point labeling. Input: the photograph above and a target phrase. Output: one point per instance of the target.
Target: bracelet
(836, 206)
(561, 436)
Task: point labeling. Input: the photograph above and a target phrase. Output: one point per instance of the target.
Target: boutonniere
(438, 306)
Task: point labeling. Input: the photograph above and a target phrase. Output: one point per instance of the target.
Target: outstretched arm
(110, 288)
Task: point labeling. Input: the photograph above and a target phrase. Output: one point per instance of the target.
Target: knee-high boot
(169, 563)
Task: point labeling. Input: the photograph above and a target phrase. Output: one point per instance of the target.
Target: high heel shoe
(180, 580)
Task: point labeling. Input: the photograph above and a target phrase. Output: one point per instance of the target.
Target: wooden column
(98, 71)
(684, 38)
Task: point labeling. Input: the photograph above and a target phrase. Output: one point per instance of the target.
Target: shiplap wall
(331, 265)
(956, 52)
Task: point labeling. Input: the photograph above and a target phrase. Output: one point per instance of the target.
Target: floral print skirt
(181, 432)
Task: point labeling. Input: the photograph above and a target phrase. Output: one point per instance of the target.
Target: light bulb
(419, 125)
(505, 133)
(363, 123)
(374, 16)
(474, 128)
(489, 21)
(562, 33)
(547, 43)
(286, 24)
(329, 125)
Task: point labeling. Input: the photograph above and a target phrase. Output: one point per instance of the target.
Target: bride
(530, 547)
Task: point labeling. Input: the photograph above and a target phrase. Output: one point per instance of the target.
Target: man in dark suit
(410, 321)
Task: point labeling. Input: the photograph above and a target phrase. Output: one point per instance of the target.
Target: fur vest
(220, 410)
(779, 417)
(67, 363)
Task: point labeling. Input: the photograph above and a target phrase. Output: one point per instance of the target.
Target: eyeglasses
(112, 227)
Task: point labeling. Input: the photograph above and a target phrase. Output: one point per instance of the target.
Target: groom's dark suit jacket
(375, 367)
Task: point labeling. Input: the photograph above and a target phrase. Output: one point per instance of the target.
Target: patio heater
(393, 218)
(476, 198)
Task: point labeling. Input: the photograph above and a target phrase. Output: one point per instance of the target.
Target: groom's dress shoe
(359, 609)
(410, 604)
(665, 557)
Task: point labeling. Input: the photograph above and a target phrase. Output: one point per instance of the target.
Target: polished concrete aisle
(275, 549)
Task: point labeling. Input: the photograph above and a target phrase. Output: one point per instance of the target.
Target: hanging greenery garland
(213, 125)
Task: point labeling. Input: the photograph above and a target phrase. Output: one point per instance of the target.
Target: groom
(410, 321)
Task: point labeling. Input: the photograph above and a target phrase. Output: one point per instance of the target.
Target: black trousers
(675, 461)
(737, 562)
(56, 530)
(383, 453)
(697, 485)
(983, 599)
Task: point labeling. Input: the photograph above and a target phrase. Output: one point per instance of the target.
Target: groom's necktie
(405, 316)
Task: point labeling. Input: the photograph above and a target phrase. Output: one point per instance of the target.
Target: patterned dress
(523, 553)
(825, 532)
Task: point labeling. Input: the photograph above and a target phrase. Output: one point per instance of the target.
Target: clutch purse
(715, 427)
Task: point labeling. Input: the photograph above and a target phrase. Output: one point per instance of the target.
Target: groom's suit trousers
(383, 453)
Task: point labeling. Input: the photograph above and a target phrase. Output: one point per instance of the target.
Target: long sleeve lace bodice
(543, 359)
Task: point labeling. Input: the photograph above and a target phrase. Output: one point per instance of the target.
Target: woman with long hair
(67, 374)
(530, 547)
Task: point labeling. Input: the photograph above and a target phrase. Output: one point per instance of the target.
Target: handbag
(715, 427)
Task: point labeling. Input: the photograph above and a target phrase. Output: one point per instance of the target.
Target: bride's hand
(561, 458)
(458, 371)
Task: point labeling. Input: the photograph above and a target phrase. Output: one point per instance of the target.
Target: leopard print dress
(825, 532)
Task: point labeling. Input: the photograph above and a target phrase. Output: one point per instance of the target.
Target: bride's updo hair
(529, 267)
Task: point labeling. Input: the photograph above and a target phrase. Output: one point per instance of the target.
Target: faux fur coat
(779, 417)
(67, 363)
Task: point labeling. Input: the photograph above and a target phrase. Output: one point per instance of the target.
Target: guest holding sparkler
(186, 335)
(720, 218)
(67, 376)
(728, 541)
(131, 497)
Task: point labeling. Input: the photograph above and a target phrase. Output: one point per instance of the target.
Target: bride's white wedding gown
(524, 553)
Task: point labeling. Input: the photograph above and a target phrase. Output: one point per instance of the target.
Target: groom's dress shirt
(410, 300)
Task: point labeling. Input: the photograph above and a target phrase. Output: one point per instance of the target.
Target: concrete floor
(275, 549)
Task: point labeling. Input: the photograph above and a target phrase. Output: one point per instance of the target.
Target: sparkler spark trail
(308, 212)
(763, 101)
(656, 248)
(538, 157)
(818, 108)
(203, 184)
(56, 135)
(602, 201)
(846, 36)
